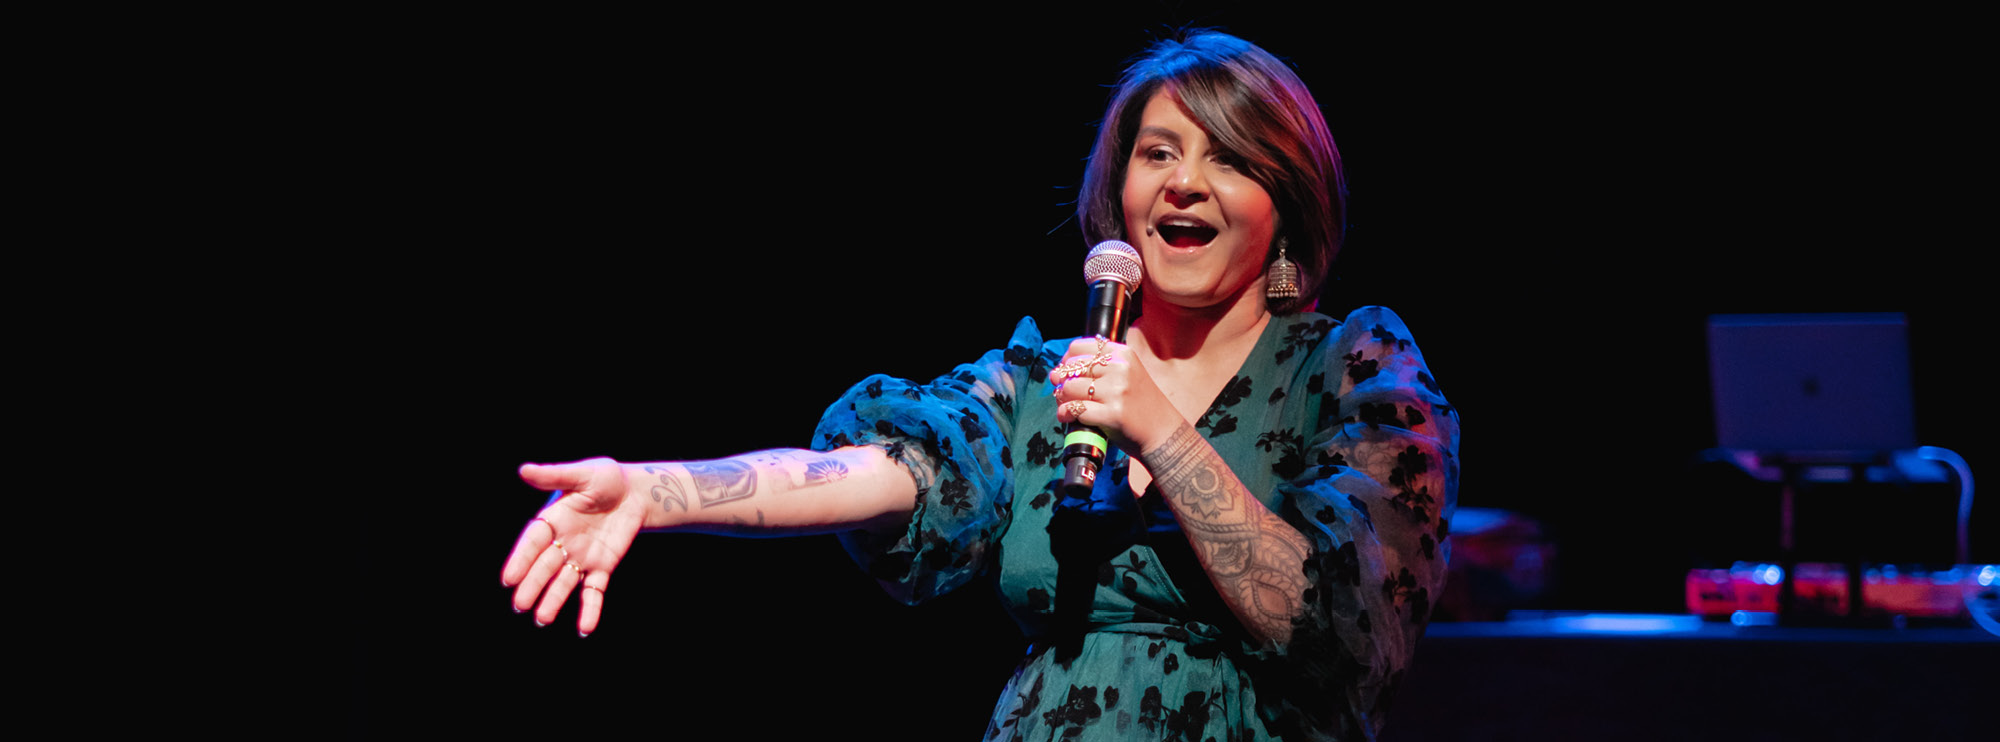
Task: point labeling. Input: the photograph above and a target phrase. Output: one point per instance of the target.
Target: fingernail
(581, 635)
(539, 624)
(515, 609)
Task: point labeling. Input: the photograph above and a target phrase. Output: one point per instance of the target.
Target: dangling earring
(1282, 280)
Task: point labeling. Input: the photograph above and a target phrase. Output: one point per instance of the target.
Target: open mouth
(1186, 233)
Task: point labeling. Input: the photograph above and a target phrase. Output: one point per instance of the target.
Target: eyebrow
(1158, 131)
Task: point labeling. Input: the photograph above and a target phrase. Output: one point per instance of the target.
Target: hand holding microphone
(1112, 271)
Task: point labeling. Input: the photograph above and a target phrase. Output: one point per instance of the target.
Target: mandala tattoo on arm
(1255, 559)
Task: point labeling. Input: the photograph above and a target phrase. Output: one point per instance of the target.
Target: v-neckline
(1261, 346)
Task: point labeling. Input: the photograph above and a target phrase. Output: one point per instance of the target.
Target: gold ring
(600, 591)
(1075, 409)
(573, 568)
(1092, 391)
(551, 529)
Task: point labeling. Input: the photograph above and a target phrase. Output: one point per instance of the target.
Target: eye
(1157, 153)
(1228, 161)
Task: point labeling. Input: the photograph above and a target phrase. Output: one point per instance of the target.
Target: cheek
(1253, 210)
(1135, 207)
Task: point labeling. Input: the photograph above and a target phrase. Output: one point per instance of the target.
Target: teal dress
(1341, 429)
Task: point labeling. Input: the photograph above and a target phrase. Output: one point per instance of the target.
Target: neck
(1174, 332)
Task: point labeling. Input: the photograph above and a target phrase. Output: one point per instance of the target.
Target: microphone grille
(1114, 260)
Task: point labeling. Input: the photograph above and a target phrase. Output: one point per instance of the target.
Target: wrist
(661, 489)
(1159, 425)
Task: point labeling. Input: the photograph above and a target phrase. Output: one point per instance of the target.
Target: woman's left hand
(1101, 384)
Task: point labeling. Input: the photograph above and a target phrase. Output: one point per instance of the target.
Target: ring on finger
(573, 568)
(600, 591)
(1075, 409)
(1092, 391)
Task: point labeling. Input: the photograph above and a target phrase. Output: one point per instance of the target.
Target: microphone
(1112, 271)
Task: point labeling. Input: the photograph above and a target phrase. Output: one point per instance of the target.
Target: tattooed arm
(776, 492)
(1254, 558)
(580, 538)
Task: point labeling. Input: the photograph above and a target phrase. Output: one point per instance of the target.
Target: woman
(1297, 473)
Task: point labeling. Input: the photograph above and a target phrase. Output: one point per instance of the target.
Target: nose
(1188, 185)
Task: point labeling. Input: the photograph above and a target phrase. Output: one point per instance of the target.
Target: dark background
(675, 238)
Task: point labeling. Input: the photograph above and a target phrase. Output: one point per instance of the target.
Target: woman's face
(1211, 224)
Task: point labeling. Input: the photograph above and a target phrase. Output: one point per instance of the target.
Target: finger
(535, 537)
(560, 586)
(592, 602)
(556, 476)
(538, 576)
(1073, 411)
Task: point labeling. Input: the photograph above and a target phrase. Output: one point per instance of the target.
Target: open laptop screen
(1811, 382)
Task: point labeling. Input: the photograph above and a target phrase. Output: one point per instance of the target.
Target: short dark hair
(1252, 105)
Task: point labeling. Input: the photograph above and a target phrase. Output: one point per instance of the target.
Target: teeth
(1181, 221)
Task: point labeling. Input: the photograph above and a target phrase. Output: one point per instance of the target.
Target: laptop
(1822, 383)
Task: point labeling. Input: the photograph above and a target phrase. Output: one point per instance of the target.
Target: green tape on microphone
(1086, 437)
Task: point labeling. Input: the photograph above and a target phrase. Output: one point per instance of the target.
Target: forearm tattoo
(738, 478)
(1256, 560)
(668, 492)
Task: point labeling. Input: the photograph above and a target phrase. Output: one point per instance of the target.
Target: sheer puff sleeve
(1376, 504)
(953, 436)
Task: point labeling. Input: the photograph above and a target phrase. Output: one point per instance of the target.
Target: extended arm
(775, 492)
(581, 536)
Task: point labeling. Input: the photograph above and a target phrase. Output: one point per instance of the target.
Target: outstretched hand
(579, 538)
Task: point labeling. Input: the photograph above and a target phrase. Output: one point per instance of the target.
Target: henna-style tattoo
(668, 492)
(1254, 558)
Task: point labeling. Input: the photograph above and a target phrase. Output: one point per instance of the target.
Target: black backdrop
(652, 237)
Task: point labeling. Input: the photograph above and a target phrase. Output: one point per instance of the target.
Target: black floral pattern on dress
(1079, 710)
(1107, 572)
(1038, 600)
(1027, 705)
(1217, 421)
(1302, 336)
(1291, 450)
(1152, 713)
(1379, 414)
(970, 425)
(952, 493)
(1329, 472)
(1385, 337)
(1188, 721)
(1041, 451)
(1046, 496)
(1404, 591)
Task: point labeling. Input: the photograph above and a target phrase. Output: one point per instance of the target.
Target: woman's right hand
(578, 538)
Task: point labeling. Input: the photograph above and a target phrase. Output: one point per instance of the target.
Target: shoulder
(1371, 342)
(1372, 331)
